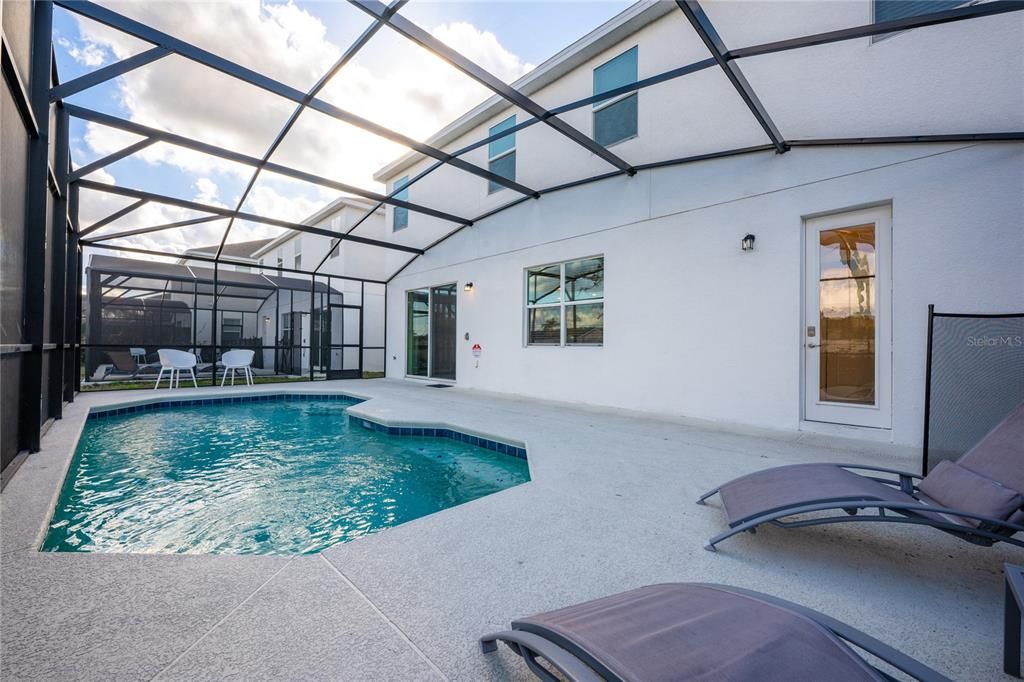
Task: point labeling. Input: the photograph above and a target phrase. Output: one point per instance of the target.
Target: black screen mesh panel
(976, 371)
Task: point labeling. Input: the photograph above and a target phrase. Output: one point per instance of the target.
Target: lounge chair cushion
(1000, 455)
(770, 490)
(698, 632)
(952, 485)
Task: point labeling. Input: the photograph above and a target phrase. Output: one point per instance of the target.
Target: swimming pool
(270, 477)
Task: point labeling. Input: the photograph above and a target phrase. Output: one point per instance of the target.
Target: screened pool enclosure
(79, 314)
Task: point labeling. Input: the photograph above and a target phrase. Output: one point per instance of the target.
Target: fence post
(927, 390)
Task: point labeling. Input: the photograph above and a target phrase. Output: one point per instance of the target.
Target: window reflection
(584, 279)
(543, 326)
(544, 285)
(565, 303)
(584, 323)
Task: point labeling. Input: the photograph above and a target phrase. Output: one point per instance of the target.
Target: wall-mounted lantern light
(468, 286)
(748, 243)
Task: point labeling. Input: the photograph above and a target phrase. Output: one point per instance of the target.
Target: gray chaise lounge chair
(683, 631)
(979, 498)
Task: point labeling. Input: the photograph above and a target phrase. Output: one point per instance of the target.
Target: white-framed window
(280, 261)
(616, 118)
(501, 154)
(400, 214)
(334, 249)
(297, 246)
(565, 303)
(890, 10)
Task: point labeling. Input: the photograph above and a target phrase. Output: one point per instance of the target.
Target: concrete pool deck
(610, 507)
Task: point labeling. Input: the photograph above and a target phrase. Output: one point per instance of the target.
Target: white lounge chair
(235, 360)
(174, 361)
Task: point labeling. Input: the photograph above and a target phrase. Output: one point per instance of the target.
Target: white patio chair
(174, 361)
(237, 360)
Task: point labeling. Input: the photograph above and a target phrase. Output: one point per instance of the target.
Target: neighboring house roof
(232, 250)
(357, 203)
(617, 28)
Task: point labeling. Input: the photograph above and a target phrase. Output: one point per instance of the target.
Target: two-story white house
(304, 251)
(334, 349)
(774, 289)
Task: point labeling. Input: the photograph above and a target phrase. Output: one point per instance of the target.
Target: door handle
(812, 345)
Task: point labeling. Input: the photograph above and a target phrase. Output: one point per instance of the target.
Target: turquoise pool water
(258, 478)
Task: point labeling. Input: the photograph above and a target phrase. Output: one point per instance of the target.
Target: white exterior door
(847, 321)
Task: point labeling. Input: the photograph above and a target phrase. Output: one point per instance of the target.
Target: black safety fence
(975, 377)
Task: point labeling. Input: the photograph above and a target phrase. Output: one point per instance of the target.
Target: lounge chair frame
(990, 531)
(579, 665)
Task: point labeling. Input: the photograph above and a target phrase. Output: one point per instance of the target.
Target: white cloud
(207, 192)
(86, 52)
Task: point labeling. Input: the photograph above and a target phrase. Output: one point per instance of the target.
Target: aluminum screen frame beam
(908, 139)
(156, 228)
(114, 216)
(138, 30)
(710, 37)
(425, 40)
(101, 75)
(237, 157)
(241, 215)
(214, 261)
(109, 158)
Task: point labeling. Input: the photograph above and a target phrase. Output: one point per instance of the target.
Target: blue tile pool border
(102, 413)
(443, 432)
(422, 431)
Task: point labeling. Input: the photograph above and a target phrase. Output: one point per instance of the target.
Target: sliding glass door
(417, 332)
(430, 332)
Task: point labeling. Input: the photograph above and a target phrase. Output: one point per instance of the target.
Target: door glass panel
(336, 322)
(846, 301)
(418, 327)
(442, 332)
(351, 336)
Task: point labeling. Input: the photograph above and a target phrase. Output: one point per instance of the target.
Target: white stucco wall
(694, 326)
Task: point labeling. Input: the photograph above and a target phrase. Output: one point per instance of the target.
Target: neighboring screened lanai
(298, 326)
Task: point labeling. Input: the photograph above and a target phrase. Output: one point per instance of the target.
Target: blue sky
(292, 42)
